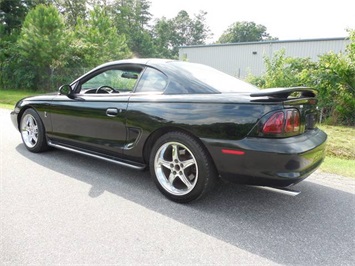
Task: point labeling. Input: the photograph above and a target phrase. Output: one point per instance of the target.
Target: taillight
(292, 121)
(275, 124)
(283, 122)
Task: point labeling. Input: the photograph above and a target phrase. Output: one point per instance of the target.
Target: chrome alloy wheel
(176, 168)
(29, 130)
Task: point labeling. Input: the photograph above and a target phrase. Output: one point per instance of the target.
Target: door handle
(112, 112)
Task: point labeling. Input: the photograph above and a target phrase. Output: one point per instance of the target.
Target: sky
(286, 20)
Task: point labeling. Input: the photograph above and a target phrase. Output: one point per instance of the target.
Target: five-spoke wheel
(176, 168)
(32, 131)
(29, 130)
(181, 168)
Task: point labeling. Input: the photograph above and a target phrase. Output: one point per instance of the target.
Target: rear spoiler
(284, 93)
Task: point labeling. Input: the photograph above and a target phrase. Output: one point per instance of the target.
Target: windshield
(218, 80)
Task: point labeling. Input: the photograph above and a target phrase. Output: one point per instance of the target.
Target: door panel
(93, 122)
(94, 118)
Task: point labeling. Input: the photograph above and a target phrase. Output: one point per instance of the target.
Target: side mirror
(66, 90)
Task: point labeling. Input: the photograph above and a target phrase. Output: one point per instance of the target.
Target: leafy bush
(282, 71)
(335, 79)
(333, 75)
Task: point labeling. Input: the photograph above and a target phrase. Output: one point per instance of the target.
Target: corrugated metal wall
(240, 59)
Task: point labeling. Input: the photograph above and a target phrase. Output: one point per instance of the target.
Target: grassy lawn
(8, 98)
(340, 150)
(338, 166)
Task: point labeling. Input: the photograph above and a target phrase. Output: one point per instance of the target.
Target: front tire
(181, 167)
(32, 131)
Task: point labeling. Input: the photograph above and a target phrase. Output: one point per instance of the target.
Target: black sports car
(189, 123)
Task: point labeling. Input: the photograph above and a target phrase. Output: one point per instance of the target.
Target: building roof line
(265, 42)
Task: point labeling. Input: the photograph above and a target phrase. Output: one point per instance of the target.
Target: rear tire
(181, 167)
(32, 131)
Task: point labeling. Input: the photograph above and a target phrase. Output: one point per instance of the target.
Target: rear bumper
(269, 162)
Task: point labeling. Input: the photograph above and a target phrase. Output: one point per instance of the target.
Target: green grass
(340, 157)
(339, 166)
(6, 106)
(8, 98)
(341, 141)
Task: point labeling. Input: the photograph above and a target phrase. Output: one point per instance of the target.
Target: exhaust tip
(285, 191)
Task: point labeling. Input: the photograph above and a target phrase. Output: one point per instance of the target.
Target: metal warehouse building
(240, 59)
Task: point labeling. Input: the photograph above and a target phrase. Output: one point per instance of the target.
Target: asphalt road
(63, 208)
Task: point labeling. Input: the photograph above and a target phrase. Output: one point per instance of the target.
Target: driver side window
(111, 81)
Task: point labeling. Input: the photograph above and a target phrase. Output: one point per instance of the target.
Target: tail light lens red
(275, 124)
(292, 121)
(287, 121)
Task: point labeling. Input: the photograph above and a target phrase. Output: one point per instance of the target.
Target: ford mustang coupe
(188, 123)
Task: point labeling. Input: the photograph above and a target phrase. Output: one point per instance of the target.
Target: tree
(245, 32)
(200, 31)
(96, 40)
(12, 16)
(351, 46)
(189, 31)
(13, 13)
(162, 34)
(72, 10)
(131, 18)
(170, 34)
(41, 43)
(335, 80)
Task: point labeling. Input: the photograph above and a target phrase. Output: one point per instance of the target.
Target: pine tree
(41, 45)
(97, 41)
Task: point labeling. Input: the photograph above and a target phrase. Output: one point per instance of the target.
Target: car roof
(140, 61)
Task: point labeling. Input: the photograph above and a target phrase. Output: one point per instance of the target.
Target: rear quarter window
(152, 80)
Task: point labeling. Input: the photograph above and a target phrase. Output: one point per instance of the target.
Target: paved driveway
(63, 208)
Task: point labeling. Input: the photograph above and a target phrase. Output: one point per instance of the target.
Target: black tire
(33, 132)
(181, 167)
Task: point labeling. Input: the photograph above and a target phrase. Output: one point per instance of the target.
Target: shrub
(333, 75)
